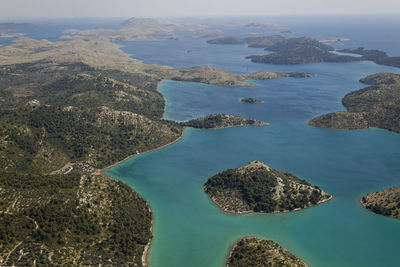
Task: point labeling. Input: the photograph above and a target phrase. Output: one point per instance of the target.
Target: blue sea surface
(190, 230)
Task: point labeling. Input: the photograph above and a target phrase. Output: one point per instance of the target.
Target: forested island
(304, 50)
(251, 251)
(256, 187)
(376, 106)
(385, 202)
(218, 121)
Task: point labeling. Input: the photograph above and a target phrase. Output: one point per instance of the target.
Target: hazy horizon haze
(178, 8)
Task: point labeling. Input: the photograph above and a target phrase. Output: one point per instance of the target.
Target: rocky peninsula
(256, 187)
(251, 251)
(377, 106)
(385, 202)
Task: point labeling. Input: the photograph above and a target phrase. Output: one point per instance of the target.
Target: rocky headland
(385, 202)
(376, 106)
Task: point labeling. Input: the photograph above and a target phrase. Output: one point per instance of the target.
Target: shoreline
(238, 213)
(165, 99)
(140, 153)
(102, 171)
(145, 255)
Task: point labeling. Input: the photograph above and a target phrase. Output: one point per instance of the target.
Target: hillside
(267, 75)
(256, 187)
(71, 220)
(138, 28)
(61, 122)
(386, 202)
(251, 251)
(106, 59)
(301, 55)
(376, 106)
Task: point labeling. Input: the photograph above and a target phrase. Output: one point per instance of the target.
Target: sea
(189, 230)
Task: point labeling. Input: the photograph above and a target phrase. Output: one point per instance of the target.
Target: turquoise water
(190, 231)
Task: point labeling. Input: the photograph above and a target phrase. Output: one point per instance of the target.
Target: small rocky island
(377, 106)
(386, 202)
(251, 251)
(218, 121)
(268, 75)
(251, 100)
(256, 187)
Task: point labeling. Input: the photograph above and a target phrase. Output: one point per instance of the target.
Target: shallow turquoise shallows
(191, 231)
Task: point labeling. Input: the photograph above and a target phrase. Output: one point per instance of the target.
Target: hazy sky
(128, 8)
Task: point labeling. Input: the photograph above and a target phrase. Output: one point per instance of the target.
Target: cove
(190, 230)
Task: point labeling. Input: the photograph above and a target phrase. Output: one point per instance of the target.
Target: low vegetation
(386, 202)
(216, 121)
(251, 251)
(288, 50)
(256, 187)
(72, 219)
(376, 106)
